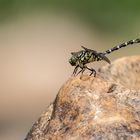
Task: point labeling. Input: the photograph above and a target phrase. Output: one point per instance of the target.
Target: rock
(125, 71)
(94, 108)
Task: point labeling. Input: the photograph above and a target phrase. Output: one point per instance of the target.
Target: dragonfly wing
(104, 58)
(86, 49)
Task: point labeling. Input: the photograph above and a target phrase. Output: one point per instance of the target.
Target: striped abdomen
(122, 45)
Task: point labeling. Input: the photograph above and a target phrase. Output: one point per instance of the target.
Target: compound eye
(72, 61)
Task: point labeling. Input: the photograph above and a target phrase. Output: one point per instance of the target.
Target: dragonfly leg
(75, 70)
(92, 71)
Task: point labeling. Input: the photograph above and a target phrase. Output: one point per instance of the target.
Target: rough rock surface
(105, 107)
(125, 71)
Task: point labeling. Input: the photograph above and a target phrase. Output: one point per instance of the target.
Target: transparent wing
(101, 55)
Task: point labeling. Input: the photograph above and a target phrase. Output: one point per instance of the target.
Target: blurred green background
(107, 16)
(36, 38)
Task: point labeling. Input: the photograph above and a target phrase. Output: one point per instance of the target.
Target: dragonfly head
(73, 59)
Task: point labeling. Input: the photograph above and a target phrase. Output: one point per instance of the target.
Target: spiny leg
(75, 70)
(83, 68)
(92, 71)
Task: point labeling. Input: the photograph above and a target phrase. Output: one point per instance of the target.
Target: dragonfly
(81, 58)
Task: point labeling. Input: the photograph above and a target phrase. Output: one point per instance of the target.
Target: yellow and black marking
(81, 58)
